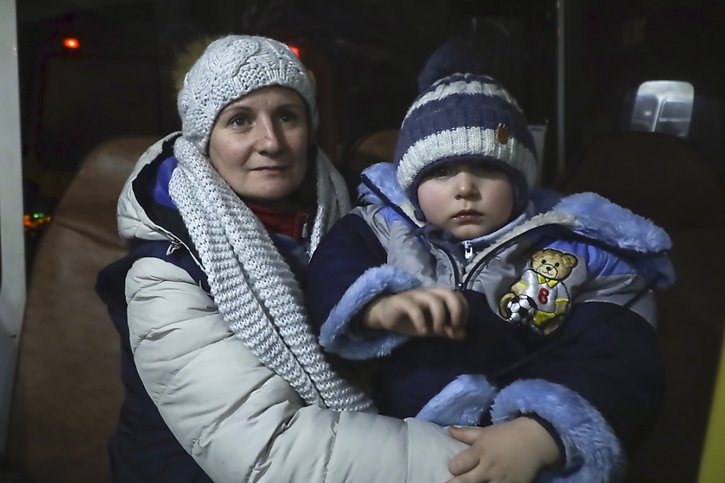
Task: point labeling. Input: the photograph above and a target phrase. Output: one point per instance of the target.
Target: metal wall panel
(12, 250)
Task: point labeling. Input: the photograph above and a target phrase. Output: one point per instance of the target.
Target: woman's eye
(288, 116)
(239, 121)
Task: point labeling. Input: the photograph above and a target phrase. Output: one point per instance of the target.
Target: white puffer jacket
(240, 421)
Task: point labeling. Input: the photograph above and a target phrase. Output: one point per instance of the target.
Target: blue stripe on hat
(463, 84)
(462, 111)
(457, 119)
(463, 100)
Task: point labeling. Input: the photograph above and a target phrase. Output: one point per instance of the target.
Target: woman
(216, 349)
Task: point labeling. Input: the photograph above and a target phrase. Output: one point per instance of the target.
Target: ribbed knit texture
(464, 117)
(255, 290)
(232, 67)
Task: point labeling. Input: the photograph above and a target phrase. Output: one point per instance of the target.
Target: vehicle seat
(667, 180)
(68, 390)
(376, 147)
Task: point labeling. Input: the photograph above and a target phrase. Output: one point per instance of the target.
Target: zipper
(554, 231)
(468, 249)
(492, 253)
(305, 227)
(174, 245)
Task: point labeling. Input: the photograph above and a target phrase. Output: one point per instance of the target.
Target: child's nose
(465, 186)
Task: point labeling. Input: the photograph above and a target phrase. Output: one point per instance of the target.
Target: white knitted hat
(232, 67)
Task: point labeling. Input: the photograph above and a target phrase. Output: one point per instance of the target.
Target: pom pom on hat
(230, 68)
(455, 55)
(464, 116)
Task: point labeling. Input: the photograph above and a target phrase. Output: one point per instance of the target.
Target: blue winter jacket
(561, 323)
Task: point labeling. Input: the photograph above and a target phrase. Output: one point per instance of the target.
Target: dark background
(366, 55)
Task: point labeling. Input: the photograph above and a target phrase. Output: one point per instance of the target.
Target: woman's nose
(268, 140)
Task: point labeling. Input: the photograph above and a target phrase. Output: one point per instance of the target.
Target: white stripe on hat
(465, 141)
(462, 87)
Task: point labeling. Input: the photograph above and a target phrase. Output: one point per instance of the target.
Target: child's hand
(420, 312)
(510, 452)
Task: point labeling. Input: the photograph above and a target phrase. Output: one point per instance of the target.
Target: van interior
(625, 98)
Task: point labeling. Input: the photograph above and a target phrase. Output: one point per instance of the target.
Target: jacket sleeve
(240, 421)
(348, 271)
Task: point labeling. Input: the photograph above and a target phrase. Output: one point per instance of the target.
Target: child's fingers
(456, 306)
(433, 313)
(457, 309)
(437, 312)
(416, 316)
(455, 333)
(400, 313)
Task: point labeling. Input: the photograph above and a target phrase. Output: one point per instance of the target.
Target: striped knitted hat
(230, 68)
(465, 117)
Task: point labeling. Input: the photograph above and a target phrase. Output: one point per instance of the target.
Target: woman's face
(259, 145)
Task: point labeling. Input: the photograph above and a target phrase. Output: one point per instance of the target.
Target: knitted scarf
(253, 287)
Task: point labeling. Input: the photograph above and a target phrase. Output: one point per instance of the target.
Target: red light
(294, 49)
(71, 43)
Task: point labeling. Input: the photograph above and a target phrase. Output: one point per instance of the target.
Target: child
(484, 303)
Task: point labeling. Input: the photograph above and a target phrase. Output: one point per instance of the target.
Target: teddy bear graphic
(540, 299)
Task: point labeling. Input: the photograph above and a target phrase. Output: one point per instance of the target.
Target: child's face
(467, 200)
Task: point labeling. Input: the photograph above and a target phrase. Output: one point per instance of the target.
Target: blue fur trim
(600, 218)
(593, 452)
(383, 176)
(334, 333)
(461, 402)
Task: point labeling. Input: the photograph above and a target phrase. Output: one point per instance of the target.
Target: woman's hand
(510, 452)
(436, 311)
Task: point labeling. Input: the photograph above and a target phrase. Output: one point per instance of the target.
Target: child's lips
(467, 216)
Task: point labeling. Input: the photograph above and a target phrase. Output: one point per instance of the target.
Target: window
(663, 106)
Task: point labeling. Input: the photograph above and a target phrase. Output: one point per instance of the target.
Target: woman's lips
(269, 168)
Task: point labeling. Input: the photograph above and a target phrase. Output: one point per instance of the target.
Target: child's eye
(442, 172)
(481, 170)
